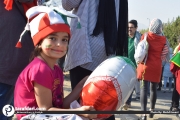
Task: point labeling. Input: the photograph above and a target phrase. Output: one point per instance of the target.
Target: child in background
(167, 74)
(40, 84)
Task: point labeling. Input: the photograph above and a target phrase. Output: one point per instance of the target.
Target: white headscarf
(156, 26)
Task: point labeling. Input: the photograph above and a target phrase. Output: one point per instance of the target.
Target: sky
(145, 10)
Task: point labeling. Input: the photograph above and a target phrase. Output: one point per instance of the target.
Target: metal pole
(149, 20)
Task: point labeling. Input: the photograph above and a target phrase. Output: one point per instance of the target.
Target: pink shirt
(38, 71)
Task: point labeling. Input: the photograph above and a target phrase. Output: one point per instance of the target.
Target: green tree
(172, 31)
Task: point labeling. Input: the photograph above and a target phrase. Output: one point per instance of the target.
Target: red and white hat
(43, 21)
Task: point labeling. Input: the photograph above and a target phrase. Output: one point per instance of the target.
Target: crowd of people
(33, 78)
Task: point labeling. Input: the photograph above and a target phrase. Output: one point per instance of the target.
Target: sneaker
(174, 109)
(151, 115)
(126, 106)
(143, 117)
(158, 89)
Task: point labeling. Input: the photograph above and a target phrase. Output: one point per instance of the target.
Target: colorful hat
(43, 21)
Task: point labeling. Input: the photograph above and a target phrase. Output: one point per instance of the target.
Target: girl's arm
(43, 97)
(70, 4)
(74, 95)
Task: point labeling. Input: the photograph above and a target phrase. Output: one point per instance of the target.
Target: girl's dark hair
(35, 53)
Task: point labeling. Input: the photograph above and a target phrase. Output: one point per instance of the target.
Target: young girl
(40, 84)
(167, 74)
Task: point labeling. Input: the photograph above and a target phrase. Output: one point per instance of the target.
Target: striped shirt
(164, 53)
(85, 50)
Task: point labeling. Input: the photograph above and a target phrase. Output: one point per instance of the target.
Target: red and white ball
(110, 85)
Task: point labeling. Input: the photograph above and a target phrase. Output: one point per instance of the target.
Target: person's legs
(160, 83)
(137, 90)
(143, 98)
(153, 97)
(61, 62)
(148, 92)
(77, 74)
(6, 97)
(143, 95)
(170, 83)
(128, 102)
(175, 97)
(153, 94)
(149, 88)
(165, 82)
(129, 99)
(111, 118)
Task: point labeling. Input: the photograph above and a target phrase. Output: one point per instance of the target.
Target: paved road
(163, 103)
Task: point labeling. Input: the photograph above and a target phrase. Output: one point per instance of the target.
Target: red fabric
(38, 71)
(164, 53)
(176, 71)
(153, 67)
(26, 6)
(47, 29)
(19, 45)
(8, 4)
(179, 48)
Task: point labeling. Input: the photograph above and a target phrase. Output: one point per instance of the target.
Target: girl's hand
(74, 95)
(88, 108)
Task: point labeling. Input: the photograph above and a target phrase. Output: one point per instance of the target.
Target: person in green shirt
(133, 40)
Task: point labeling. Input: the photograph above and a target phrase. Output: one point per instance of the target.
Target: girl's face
(55, 45)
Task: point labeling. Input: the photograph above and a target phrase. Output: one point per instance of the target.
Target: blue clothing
(166, 70)
(6, 97)
(167, 75)
(170, 79)
(129, 99)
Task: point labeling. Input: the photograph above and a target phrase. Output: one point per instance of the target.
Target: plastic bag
(141, 52)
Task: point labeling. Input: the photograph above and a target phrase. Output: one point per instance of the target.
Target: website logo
(8, 110)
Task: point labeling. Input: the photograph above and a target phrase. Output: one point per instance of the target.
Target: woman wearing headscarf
(151, 71)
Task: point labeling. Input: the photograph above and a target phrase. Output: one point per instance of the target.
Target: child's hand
(88, 108)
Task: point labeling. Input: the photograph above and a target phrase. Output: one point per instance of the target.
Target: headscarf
(156, 26)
